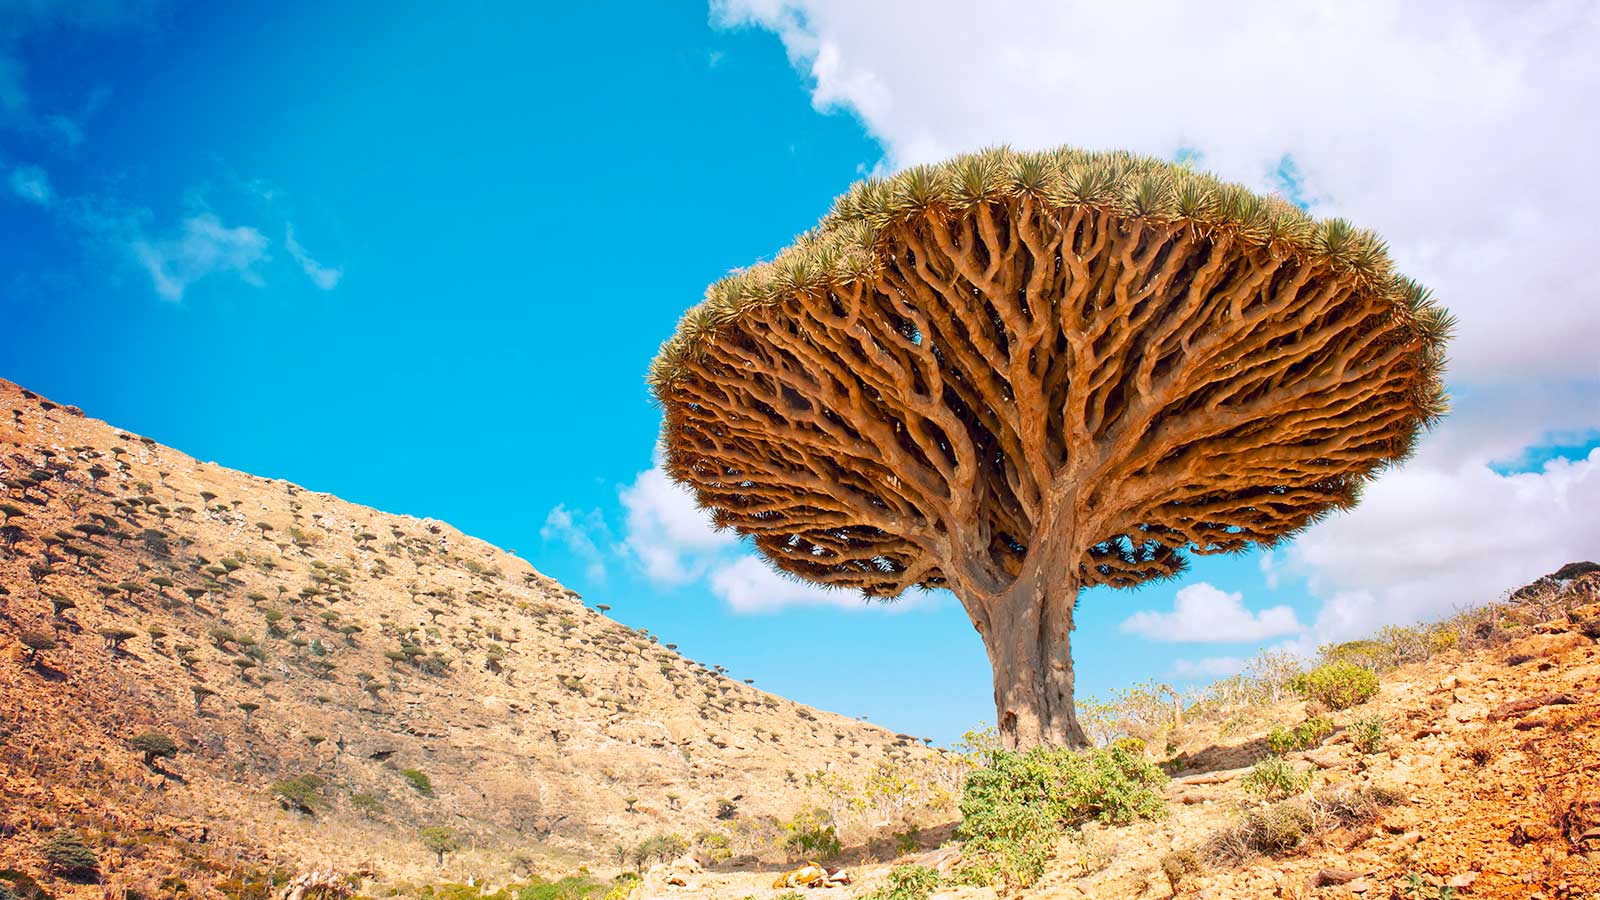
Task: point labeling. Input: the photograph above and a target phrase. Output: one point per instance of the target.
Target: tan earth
(1490, 759)
(545, 727)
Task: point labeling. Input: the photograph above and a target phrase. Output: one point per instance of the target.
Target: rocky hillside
(334, 680)
(1472, 771)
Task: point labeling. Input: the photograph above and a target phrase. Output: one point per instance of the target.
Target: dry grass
(1281, 827)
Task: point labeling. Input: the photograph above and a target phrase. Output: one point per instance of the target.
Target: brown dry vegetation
(547, 731)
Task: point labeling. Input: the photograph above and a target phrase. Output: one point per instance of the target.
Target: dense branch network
(1118, 357)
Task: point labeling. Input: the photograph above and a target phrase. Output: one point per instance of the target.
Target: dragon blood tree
(1019, 375)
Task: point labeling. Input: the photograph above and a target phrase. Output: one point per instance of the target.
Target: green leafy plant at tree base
(1015, 809)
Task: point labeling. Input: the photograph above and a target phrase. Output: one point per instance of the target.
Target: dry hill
(419, 677)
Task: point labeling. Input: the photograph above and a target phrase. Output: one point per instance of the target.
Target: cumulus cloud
(203, 246)
(1432, 538)
(749, 585)
(670, 541)
(1204, 614)
(324, 277)
(667, 534)
(32, 184)
(1459, 132)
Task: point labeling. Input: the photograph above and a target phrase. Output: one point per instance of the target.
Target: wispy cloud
(324, 277)
(1205, 614)
(1209, 667)
(203, 246)
(583, 534)
(32, 184)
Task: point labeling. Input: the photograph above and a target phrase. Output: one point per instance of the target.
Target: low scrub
(907, 883)
(1274, 778)
(1015, 809)
(1281, 827)
(1337, 685)
(1304, 736)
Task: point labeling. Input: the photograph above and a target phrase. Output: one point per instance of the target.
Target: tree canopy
(1059, 368)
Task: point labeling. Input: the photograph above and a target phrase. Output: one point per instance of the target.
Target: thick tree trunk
(1029, 639)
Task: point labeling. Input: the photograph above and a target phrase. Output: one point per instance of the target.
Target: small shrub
(67, 854)
(907, 883)
(812, 834)
(302, 795)
(1274, 778)
(1178, 865)
(154, 745)
(1480, 747)
(419, 781)
(1304, 736)
(1337, 685)
(1366, 735)
(1014, 809)
(1272, 830)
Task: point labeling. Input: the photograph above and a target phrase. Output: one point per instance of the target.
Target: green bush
(154, 745)
(1274, 778)
(303, 794)
(1015, 808)
(418, 780)
(907, 883)
(1304, 736)
(1337, 685)
(66, 853)
(811, 834)
(1366, 735)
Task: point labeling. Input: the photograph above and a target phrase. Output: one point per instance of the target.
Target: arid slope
(329, 639)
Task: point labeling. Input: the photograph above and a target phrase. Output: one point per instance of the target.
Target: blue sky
(421, 259)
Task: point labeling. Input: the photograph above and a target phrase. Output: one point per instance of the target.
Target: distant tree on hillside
(37, 642)
(440, 840)
(201, 692)
(115, 636)
(154, 745)
(66, 853)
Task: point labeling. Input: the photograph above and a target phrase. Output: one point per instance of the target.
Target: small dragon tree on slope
(1019, 375)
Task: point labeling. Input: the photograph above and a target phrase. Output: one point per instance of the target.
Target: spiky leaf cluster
(1122, 357)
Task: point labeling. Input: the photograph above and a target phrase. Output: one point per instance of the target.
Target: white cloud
(1460, 131)
(32, 184)
(324, 277)
(749, 585)
(1435, 537)
(666, 533)
(578, 532)
(1209, 667)
(670, 541)
(204, 246)
(1204, 614)
(1269, 569)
